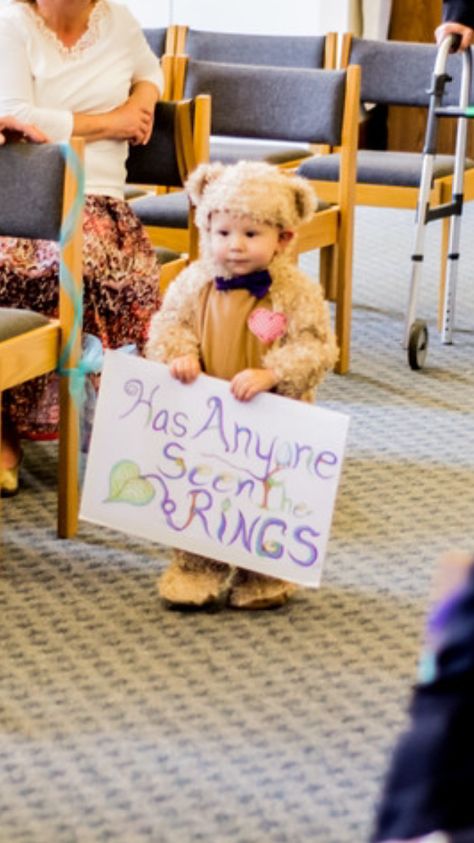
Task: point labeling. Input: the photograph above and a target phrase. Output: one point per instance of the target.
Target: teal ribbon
(92, 355)
(86, 365)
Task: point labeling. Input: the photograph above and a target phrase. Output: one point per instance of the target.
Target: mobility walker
(416, 331)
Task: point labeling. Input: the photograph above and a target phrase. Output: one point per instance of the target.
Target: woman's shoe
(10, 477)
(10, 481)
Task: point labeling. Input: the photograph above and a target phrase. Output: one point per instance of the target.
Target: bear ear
(200, 178)
(306, 202)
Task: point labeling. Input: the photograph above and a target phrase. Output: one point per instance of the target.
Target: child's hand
(185, 368)
(250, 382)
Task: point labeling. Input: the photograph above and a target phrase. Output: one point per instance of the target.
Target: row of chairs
(393, 74)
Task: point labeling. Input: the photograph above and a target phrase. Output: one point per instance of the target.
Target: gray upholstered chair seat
(166, 210)
(322, 205)
(133, 191)
(165, 256)
(376, 167)
(237, 149)
(170, 210)
(14, 322)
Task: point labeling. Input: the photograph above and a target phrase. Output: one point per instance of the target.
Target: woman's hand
(131, 121)
(12, 129)
(144, 96)
(185, 368)
(449, 28)
(248, 383)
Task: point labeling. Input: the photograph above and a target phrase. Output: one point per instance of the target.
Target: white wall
(151, 12)
(292, 17)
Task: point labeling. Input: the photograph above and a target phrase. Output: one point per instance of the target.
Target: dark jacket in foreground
(430, 784)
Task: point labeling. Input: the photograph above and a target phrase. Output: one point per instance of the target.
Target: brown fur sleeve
(172, 329)
(302, 358)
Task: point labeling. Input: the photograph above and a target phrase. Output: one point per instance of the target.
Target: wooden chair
(310, 52)
(166, 161)
(42, 197)
(395, 73)
(162, 41)
(331, 229)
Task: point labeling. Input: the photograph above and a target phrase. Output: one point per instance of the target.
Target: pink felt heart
(267, 325)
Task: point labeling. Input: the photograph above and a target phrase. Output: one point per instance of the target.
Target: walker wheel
(418, 344)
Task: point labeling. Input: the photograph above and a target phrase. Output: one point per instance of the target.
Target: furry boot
(257, 591)
(195, 582)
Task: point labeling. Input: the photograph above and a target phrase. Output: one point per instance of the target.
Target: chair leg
(193, 238)
(328, 262)
(68, 470)
(344, 307)
(0, 464)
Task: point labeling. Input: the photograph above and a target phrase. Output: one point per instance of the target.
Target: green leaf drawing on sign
(127, 486)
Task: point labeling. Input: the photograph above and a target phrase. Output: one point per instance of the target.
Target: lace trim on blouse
(89, 37)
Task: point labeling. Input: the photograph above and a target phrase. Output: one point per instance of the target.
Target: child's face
(239, 245)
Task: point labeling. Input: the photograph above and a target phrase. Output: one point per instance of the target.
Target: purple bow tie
(257, 283)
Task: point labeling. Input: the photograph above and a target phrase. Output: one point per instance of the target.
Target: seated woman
(78, 67)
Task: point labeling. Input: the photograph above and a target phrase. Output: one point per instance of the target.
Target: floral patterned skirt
(121, 277)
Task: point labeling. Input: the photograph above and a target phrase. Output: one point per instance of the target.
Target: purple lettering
(270, 547)
(134, 387)
(174, 458)
(196, 510)
(215, 420)
(298, 534)
(179, 428)
(264, 456)
(246, 533)
(160, 421)
(324, 458)
(204, 470)
(237, 431)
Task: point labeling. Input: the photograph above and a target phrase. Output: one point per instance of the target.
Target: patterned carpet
(124, 722)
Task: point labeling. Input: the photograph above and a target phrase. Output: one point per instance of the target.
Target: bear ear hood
(305, 199)
(251, 188)
(200, 178)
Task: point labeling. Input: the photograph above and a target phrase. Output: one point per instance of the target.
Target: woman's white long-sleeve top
(46, 83)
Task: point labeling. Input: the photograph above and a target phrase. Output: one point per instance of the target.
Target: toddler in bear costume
(245, 313)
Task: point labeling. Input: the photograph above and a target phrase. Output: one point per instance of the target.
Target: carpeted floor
(124, 722)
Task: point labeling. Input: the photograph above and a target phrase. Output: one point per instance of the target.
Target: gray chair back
(400, 72)
(35, 211)
(159, 161)
(156, 39)
(269, 50)
(289, 104)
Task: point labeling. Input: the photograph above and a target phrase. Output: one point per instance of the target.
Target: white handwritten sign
(252, 484)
